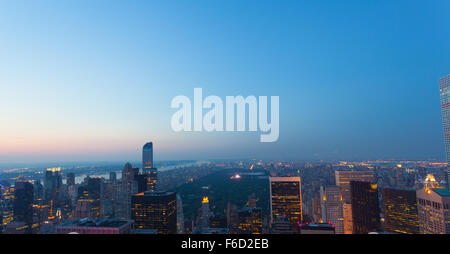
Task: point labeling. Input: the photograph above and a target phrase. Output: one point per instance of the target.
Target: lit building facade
(444, 90)
(400, 211)
(332, 207)
(155, 210)
(147, 166)
(286, 198)
(250, 221)
(92, 193)
(348, 218)
(434, 213)
(7, 205)
(343, 179)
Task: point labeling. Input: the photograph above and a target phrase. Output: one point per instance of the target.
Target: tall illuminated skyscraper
(286, 198)
(52, 188)
(444, 90)
(147, 155)
(147, 166)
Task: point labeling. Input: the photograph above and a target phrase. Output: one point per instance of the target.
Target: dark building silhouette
(141, 182)
(155, 210)
(52, 188)
(400, 211)
(365, 208)
(23, 204)
(70, 179)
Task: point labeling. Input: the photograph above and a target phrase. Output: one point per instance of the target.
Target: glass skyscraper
(147, 155)
(147, 166)
(444, 90)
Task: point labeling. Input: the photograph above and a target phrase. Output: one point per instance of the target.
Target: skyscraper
(92, 192)
(286, 198)
(23, 204)
(147, 166)
(444, 90)
(400, 211)
(343, 179)
(128, 187)
(113, 177)
(52, 188)
(70, 179)
(7, 205)
(332, 207)
(365, 207)
(155, 210)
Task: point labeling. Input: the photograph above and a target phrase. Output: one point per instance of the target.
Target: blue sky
(93, 80)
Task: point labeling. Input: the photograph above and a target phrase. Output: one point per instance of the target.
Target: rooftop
(100, 223)
(442, 192)
(320, 226)
(155, 193)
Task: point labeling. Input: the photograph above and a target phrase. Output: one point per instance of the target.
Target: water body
(80, 178)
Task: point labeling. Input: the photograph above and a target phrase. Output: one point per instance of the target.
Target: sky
(93, 80)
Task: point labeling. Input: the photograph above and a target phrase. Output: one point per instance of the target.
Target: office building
(343, 179)
(286, 198)
(92, 193)
(332, 207)
(433, 207)
(52, 188)
(70, 179)
(365, 207)
(155, 210)
(250, 221)
(400, 211)
(23, 204)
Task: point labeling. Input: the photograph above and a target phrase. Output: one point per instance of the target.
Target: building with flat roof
(400, 211)
(317, 229)
(92, 226)
(155, 210)
(286, 198)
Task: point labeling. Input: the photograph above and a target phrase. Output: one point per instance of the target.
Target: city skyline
(85, 81)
